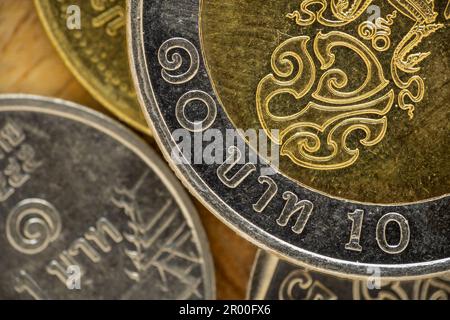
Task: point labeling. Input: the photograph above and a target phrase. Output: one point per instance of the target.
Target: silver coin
(276, 279)
(194, 69)
(90, 212)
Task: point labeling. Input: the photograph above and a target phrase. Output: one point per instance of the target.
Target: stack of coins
(316, 130)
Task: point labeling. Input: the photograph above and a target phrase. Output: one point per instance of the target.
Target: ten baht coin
(351, 101)
(90, 212)
(90, 38)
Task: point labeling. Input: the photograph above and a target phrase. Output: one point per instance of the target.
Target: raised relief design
(156, 247)
(390, 290)
(304, 208)
(378, 32)
(343, 12)
(158, 242)
(432, 289)
(84, 246)
(301, 285)
(447, 11)
(327, 108)
(268, 195)
(24, 283)
(172, 61)
(32, 225)
(113, 18)
(17, 159)
(405, 62)
(201, 97)
(437, 288)
(233, 181)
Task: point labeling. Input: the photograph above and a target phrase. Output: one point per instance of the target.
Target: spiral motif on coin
(301, 285)
(342, 12)
(299, 280)
(378, 32)
(32, 225)
(171, 60)
(315, 130)
(368, 31)
(315, 134)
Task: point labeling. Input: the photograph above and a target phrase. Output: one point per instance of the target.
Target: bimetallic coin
(90, 212)
(352, 98)
(275, 279)
(95, 51)
(359, 103)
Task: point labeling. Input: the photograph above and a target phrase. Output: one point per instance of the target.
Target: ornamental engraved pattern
(303, 284)
(315, 133)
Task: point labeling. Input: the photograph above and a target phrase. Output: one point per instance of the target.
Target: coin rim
(94, 90)
(124, 136)
(263, 263)
(265, 267)
(220, 209)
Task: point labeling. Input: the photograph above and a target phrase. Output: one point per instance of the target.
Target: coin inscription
(19, 159)
(102, 218)
(372, 187)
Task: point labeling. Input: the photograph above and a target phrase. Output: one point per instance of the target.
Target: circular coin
(91, 39)
(90, 212)
(347, 103)
(275, 279)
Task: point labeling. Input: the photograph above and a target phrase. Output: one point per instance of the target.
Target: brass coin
(96, 52)
(358, 90)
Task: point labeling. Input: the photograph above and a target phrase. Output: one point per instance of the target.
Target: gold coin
(358, 90)
(95, 51)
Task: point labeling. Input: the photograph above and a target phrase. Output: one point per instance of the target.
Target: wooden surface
(29, 64)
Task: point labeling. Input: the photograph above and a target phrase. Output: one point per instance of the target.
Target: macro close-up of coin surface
(352, 100)
(400, 154)
(91, 212)
(95, 51)
(275, 279)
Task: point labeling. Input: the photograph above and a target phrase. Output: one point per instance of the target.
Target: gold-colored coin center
(358, 90)
(90, 36)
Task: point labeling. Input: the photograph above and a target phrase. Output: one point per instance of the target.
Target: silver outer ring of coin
(181, 32)
(124, 136)
(272, 278)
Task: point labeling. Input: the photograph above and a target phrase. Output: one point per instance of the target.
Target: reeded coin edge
(221, 210)
(118, 132)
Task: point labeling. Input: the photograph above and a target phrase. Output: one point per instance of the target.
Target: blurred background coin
(90, 37)
(347, 103)
(91, 212)
(275, 279)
